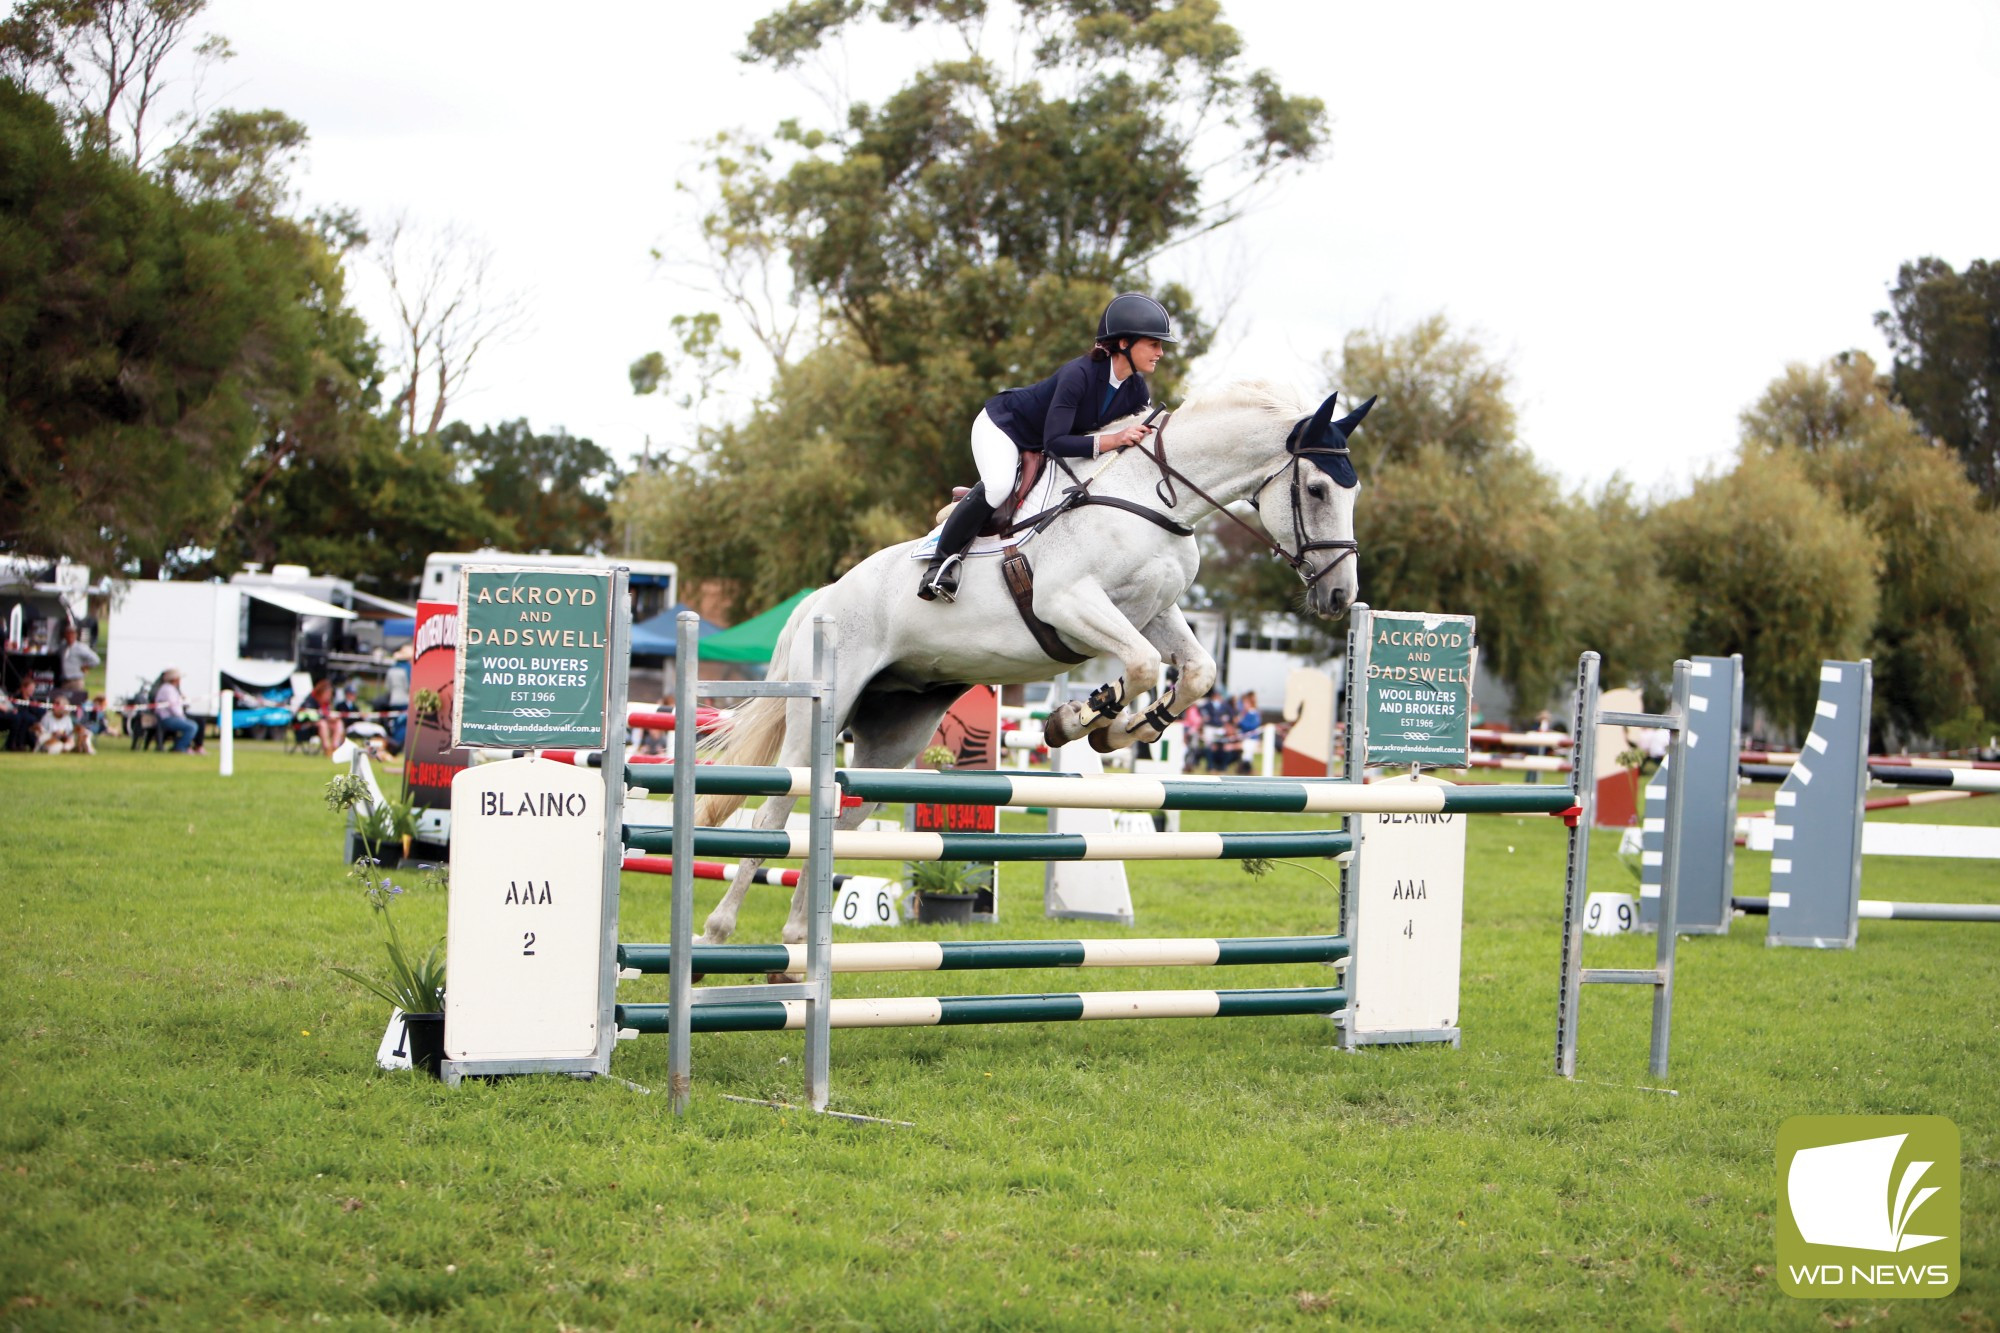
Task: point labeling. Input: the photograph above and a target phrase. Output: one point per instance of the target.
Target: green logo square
(1868, 1206)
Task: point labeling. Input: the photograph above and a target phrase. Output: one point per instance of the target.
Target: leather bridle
(1300, 560)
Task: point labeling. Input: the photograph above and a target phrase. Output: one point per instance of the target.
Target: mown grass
(194, 1134)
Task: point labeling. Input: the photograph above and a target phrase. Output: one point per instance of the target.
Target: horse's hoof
(1100, 741)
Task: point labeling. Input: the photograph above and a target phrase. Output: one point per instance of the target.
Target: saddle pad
(1047, 490)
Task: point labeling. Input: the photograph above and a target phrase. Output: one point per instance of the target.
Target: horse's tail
(755, 731)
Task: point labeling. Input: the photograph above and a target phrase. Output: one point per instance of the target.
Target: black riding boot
(941, 578)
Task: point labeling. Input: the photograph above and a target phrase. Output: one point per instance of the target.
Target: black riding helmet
(1135, 315)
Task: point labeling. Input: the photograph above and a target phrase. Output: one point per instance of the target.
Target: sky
(1646, 211)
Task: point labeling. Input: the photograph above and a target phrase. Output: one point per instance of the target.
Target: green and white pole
(1121, 792)
(970, 955)
(954, 1010)
(783, 845)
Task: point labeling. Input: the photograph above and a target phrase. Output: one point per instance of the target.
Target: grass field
(194, 1134)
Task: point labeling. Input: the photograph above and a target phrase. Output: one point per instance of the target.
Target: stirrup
(940, 581)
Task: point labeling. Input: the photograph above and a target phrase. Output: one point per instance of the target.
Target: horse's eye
(1317, 490)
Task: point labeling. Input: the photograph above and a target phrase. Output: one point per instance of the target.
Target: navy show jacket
(1059, 415)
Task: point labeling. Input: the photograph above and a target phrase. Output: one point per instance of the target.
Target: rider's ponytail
(1100, 353)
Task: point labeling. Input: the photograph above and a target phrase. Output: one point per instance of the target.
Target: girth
(1019, 576)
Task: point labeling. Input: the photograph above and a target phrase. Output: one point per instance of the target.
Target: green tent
(756, 638)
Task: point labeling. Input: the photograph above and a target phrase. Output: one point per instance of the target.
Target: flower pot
(423, 1036)
(945, 909)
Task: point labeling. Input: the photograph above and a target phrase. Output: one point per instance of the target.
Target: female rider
(1062, 416)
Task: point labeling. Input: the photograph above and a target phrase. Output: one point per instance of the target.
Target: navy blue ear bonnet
(1324, 440)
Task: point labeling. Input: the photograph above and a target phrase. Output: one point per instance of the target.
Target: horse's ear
(1347, 423)
(1316, 429)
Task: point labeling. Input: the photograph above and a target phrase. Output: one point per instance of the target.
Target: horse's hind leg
(721, 923)
(889, 731)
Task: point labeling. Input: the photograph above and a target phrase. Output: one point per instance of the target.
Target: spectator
(19, 716)
(58, 733)
(1226, 750)
(1250, 723)
(170, 706)
(650, 740)
(331, 726)
(78, 657)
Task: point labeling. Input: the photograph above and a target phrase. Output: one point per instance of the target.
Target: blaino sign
(534, 658)
(526, 924)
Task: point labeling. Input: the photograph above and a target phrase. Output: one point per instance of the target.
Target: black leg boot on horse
(941, 576)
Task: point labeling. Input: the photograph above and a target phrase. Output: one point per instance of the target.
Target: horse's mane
(1268, 395)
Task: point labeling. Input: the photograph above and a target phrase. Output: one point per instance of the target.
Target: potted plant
(377, 823)
(374, 826)
(946, 890)
(412, 984)
(402, 821)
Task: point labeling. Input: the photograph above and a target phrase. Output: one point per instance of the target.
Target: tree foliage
(1944, 328)
(1774, 569)
(145, 341)
(1439, 388)
(186, 385)
(103, 65)
(552, 491)
(958, 237)
(1935, 643)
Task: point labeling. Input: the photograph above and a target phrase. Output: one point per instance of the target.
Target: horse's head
(1312, 497)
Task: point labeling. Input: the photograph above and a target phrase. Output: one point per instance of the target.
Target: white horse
(1106, 580)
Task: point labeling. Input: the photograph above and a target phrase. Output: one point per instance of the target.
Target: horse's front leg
(721, 922)
(1171, 635)
(1087, 619)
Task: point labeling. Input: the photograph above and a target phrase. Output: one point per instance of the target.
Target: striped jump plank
(1877, 909)
(648, 719)
(1075, 792)
(1524, 739)
(1522, 763)
(1962, 779)
(1889, 775)
(1918, 798)
(953, 1010)
(785, 845)
(1788, 757)
(789, 879)
(958, 956)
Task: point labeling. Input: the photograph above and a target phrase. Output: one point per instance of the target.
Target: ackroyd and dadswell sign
(534, 658)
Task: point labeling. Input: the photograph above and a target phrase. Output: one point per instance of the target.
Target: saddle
(1029, 472)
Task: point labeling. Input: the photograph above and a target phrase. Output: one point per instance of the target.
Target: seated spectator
(651, 741)
(77, 658)
(19, 716)
(332, 727)
(170, 706)
(58, 733)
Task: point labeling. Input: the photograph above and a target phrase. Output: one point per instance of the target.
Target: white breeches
(996, 456)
